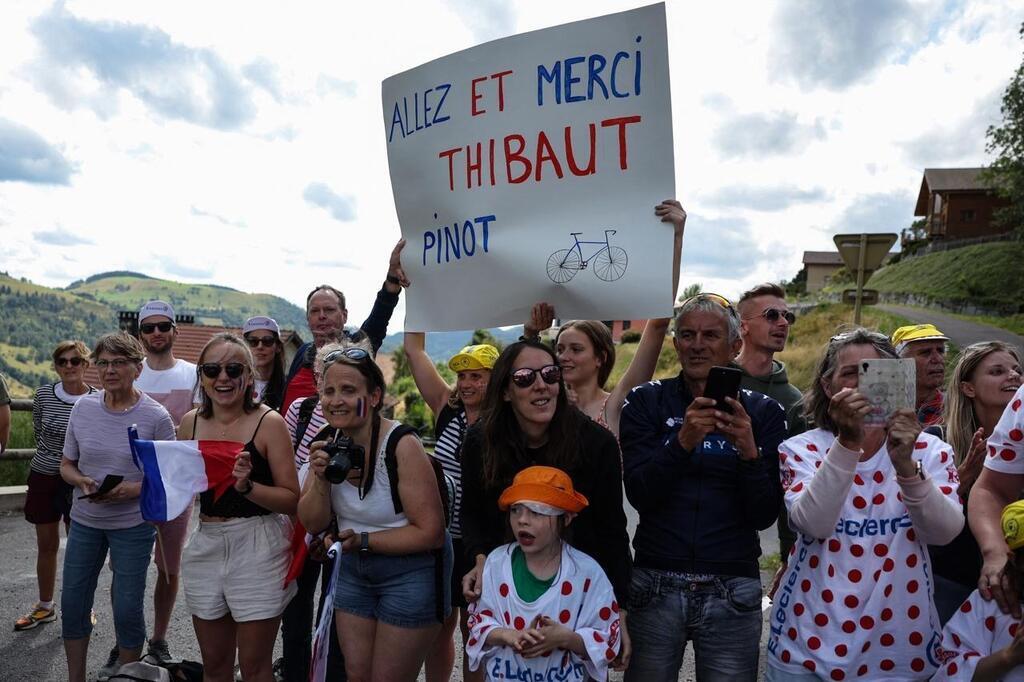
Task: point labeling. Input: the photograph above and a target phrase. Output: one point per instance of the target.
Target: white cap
(156, 308)
(261, 322)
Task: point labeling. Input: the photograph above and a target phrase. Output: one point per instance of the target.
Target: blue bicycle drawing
(609, 261)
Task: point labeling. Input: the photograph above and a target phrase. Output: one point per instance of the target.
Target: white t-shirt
(581, 598)
(859, 603)
(977, 629)
(376, 511)
(175, 388)
(1006, 444)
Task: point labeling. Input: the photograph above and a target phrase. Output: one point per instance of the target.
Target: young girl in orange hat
(547, 610)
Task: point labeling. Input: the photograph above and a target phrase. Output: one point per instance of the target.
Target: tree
(1006, 142)
(484, 336)
(691, 291)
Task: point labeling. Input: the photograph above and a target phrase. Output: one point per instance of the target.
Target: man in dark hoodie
(704, 481)
(765, 320)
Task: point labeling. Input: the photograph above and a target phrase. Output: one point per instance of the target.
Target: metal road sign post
(863, 253)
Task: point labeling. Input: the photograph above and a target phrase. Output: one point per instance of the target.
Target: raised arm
(428, 380)
(376, 325)
(641, 370)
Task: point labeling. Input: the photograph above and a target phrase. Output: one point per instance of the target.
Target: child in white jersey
(547, 611)
(981, 642)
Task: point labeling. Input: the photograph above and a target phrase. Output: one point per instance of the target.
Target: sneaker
(111, 667)
(37, 616)
(158, 653)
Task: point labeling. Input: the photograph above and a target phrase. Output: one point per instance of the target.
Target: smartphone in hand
(110, 481)
(722, 383)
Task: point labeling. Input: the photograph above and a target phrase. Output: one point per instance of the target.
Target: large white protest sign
(528, 168)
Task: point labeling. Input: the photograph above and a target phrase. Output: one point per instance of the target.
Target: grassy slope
(987, 274)
(214, 303)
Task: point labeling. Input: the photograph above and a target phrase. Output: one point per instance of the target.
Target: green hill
(34, 318)
(987, 275)
(208, 302)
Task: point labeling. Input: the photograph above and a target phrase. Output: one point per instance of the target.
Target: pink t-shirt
(859, 603)
(175, 388)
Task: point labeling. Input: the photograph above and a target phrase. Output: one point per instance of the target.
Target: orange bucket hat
(546, 485)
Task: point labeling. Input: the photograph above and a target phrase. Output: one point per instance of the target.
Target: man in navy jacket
(704, 482)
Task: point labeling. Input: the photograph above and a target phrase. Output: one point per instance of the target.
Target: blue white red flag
(174, 471)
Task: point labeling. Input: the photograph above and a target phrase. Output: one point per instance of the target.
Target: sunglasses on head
(211, 370)
(255, 341)
(715, 298)
(149, 327)
(64, 362)
(773, 315)
(356, 354)
(525, 376)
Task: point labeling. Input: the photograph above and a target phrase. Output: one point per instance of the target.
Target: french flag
(174, 471)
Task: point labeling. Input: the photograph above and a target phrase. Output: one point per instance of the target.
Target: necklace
(224, 427)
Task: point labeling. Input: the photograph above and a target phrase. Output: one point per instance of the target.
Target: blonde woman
(979, 388)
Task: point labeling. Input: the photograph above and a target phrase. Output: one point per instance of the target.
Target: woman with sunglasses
(856, 599)
(526, 421)
(978, 390)
(391, 596)
(455, 409)
(586, 351)
(264, 339)
(96, 449)
(236, 559)
(48, 500)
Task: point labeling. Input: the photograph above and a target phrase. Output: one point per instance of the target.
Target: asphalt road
(38, 654)
(961, 332)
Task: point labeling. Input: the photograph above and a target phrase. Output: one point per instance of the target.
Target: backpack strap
(391, 461)
(306, 408)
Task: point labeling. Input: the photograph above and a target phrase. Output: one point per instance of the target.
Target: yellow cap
(1013, 524)
(482, 356)
(916, 332)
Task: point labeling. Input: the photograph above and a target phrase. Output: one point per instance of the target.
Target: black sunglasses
(212, 369)
(524, 376)
(357, 354)
(149, 327)
(255, 341)
(773, 315)
(64, 362)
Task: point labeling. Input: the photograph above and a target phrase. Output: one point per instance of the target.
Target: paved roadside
(961, 332)
(39, 654)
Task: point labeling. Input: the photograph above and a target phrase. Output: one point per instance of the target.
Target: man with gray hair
(704, 480)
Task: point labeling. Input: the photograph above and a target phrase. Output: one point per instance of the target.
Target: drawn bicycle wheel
(563, 265)
(610, 264)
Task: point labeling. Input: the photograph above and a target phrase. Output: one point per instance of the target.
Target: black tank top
(232, 504)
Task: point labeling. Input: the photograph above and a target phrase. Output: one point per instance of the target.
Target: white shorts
(238, 567)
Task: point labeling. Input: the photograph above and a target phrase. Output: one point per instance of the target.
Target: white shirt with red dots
(1006, 444)
(857, 603)
(580, 598)
(978, 629)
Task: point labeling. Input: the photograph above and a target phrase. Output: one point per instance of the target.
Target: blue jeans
(130, 551)
(722, 617)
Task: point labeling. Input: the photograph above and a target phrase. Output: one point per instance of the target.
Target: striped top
(450, 429)
(316, 423)
(51, 407)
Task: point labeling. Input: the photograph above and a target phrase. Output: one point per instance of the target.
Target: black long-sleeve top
(599, 530)
(699, 510)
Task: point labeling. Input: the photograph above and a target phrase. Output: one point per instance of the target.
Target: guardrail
(20, 405)
(21, 454)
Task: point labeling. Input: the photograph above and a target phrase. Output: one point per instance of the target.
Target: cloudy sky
(242, 144)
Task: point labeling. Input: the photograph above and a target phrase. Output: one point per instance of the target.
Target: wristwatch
(919, 469)
(248, 488)
(364, 542)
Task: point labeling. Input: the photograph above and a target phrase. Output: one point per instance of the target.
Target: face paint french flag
(174, 471)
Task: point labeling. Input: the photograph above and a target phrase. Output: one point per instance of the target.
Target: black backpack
(445, 483)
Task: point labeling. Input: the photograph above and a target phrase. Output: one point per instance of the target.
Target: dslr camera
(345, 455)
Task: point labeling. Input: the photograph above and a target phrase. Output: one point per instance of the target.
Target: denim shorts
(86, 551)
(398, 590)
